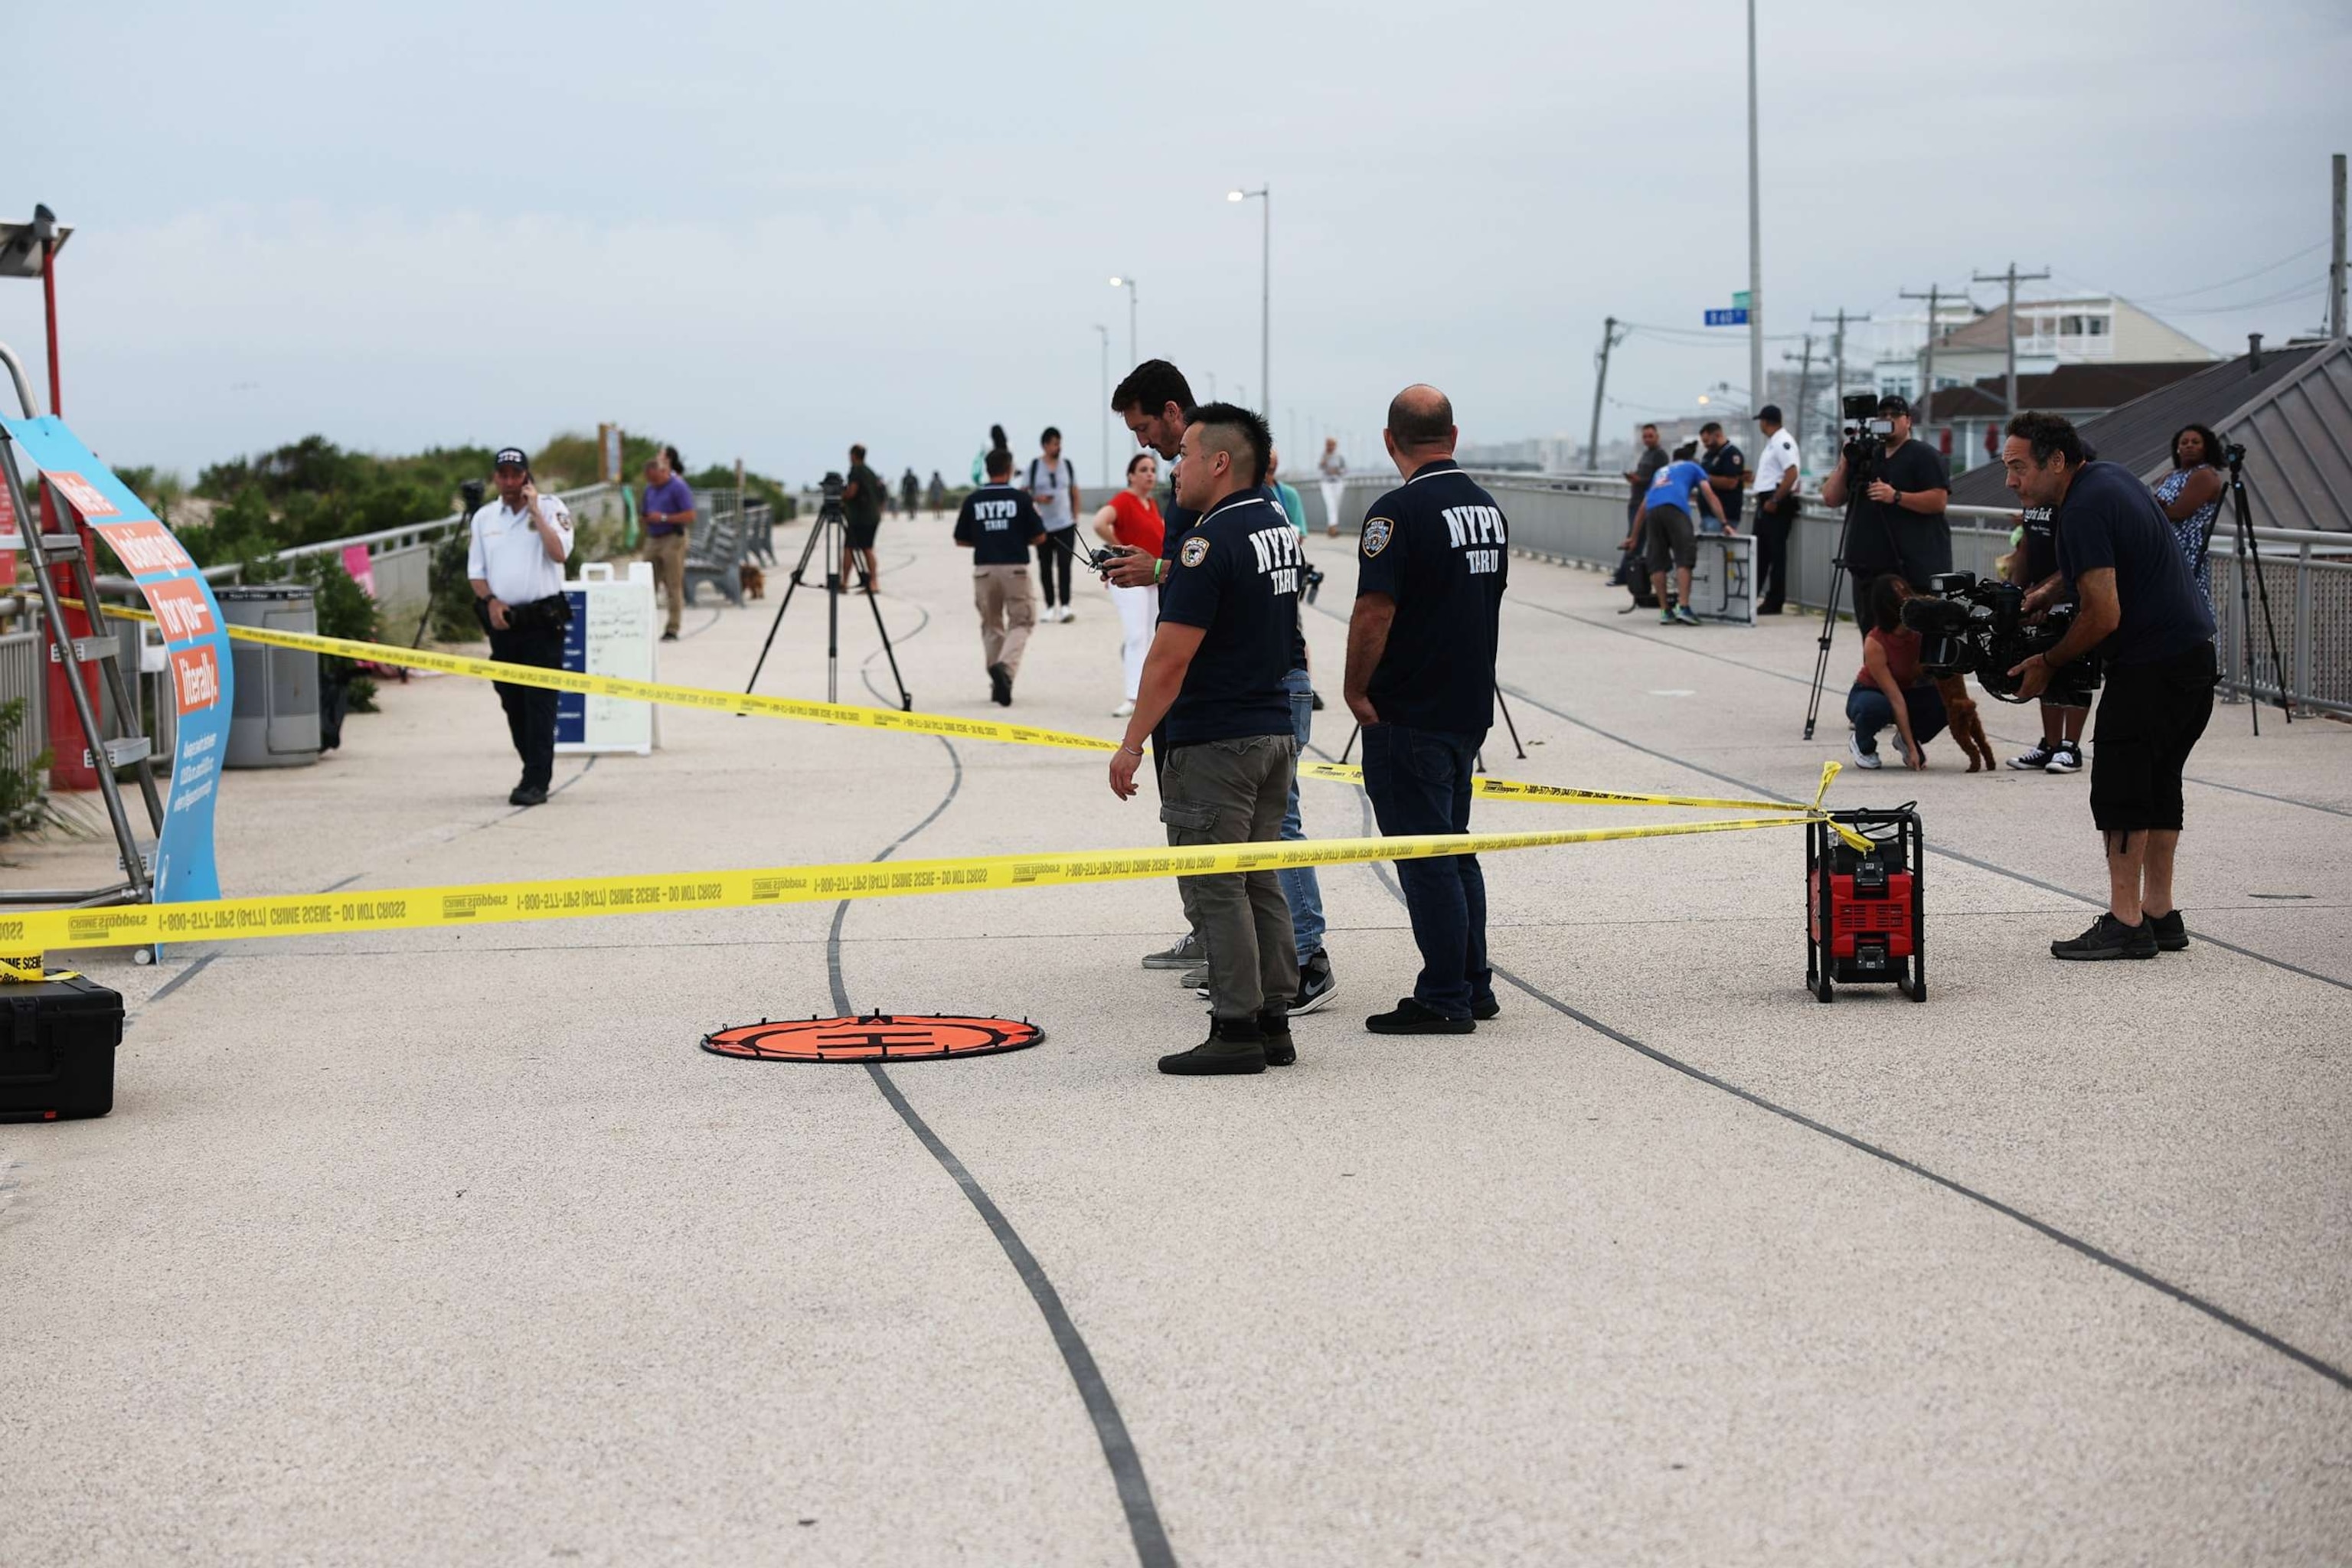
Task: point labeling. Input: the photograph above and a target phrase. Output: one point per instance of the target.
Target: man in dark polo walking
(1228, 613)
(1431, 568)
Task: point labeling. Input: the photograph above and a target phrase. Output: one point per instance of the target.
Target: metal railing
(1581, 519)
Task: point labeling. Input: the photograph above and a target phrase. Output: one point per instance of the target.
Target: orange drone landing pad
(876, 1038)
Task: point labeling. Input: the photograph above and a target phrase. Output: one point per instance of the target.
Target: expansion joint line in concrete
(2131, 1271)
(1150, 1538)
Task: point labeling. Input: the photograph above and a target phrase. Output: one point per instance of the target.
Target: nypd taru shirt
(999, 522)
(1437, 545)
(1235, 576)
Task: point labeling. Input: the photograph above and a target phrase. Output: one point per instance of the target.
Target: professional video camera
(831, 487)
(1967, 627)
(1864, 437)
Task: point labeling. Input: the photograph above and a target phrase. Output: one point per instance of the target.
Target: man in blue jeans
(1300, 889)
(1432, 565)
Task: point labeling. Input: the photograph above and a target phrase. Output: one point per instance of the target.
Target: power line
(2301, 291)
(2226, 282)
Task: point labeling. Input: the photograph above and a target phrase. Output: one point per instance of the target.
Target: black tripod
(830, 533)
(1830, 608)
(1500, 707)
(2250, 565)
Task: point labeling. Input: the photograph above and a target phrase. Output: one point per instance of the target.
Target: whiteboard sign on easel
(612, 633)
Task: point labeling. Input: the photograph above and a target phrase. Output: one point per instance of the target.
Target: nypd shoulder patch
(1376, 531)
(1195, 551)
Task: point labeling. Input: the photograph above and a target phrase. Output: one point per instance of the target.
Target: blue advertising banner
(196, 647)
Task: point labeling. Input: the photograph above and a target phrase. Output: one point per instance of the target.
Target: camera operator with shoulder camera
(1899, 487)
(2138, 609)
(516, 564)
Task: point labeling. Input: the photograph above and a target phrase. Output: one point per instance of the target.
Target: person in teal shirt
(1293, 507)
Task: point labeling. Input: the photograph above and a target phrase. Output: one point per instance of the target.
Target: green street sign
(1739, 301)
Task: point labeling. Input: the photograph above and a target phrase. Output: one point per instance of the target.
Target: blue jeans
(1869, 712)
(1419, 784)
(1298, 884)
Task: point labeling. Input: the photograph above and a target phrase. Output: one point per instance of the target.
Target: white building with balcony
(2088, 329)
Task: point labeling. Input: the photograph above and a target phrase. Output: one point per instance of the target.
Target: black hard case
(56, 1049)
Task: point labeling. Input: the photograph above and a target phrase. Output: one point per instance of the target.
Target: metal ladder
(106, 755)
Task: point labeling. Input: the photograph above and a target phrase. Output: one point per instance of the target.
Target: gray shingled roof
(2294, 417)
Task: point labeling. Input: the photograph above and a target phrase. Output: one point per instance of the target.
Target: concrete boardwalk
(450, 1246)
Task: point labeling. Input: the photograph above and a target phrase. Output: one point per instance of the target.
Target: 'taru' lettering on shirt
(1467, 526)
(1278, 556)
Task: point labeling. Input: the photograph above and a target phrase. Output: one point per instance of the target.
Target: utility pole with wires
(1837, 347)
(1804, 391)
(2336, 328)
(2013, 278)
(1924, 406)
(1611, 334)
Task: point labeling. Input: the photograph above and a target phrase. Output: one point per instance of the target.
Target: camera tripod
(2250, 565)
(1862, 471)
(830, 533)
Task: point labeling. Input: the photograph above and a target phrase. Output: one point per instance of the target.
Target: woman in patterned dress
(2192, 497)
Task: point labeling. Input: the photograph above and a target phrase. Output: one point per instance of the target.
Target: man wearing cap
(1899, 525)
(1775, 490)
(516, 563)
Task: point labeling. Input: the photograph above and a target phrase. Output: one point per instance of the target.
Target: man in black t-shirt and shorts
(1899, 525)
(1432, 565)
(1228, 613)
(2139, 610)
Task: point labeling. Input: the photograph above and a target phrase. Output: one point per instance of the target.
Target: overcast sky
(767, 231)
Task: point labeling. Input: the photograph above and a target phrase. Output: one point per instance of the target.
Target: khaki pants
(1236, 791)
(667, 552)
(1007, 602)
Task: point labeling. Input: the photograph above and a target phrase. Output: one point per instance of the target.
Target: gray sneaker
(1183, 955)
(1198, 979)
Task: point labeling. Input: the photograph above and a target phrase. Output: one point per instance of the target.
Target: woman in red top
(1133, 519)
(1890, 687)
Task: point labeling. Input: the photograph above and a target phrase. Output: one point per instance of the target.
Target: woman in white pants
(1133, 519)
(1334, 470)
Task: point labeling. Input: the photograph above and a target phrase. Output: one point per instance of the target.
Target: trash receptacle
(274, 721)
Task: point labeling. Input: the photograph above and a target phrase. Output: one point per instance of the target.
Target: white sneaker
(1861, 759)
(1123, 710)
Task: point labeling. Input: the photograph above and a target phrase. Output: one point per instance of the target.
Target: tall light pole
(1265, 289)
(1755, 232)
(1129, 284)
(1103, 407)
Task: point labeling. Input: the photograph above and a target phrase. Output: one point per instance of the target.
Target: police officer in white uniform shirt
(516, 563)
(1775, 493)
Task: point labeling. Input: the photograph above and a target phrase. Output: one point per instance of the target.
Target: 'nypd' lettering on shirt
(1278, 556)
(996, 515)
(1467, 526)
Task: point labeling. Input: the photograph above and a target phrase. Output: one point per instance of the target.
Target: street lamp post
(1264, 289)
(1755, 232)
(1103, 408)
(1129, 284)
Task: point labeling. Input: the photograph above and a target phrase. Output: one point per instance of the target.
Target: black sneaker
(2171, 931)
(1000, 686)
(1412, 1018)
(1233, 1045)
(2066, 759)
(669, 637)
(1317, 988)
(2038, 759)
(1485, 1007)
(1274, 1026)
(2108, 938)
(528, 795)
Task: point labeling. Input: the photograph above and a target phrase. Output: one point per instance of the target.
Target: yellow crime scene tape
(851, 714)
(569, 897)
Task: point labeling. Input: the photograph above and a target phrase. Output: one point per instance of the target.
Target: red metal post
(69, 766)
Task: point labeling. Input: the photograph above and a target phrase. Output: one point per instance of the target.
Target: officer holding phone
(516, 564)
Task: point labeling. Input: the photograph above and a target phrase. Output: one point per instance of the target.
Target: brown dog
(1960, 717)
(754, 580)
